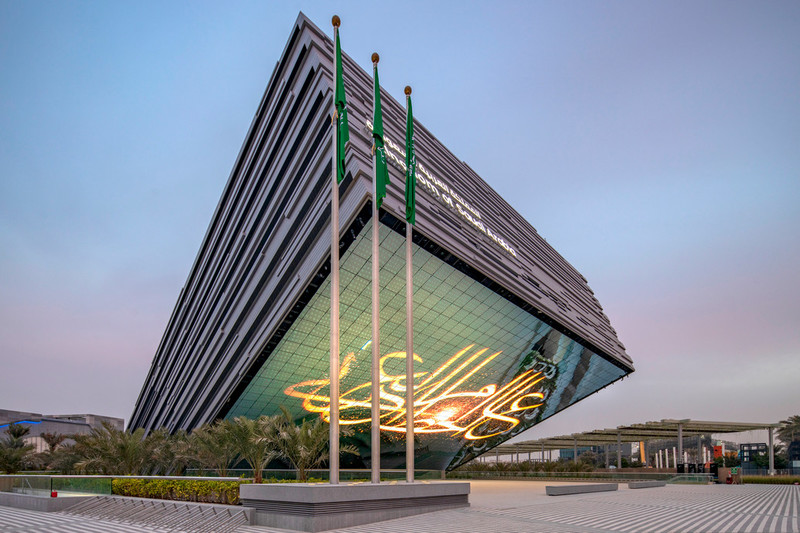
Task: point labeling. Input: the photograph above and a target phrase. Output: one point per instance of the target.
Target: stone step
(561, 490)
(164, 515)
(646, 484)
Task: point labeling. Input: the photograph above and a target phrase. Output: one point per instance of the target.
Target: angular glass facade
(485, 368)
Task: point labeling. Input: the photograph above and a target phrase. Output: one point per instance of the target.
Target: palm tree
(64, 459)
(169, 454)
(212, 446)
(14, 453)
(53, 440)
(113, 451)
(790, 430)
(255, 441)
(43, 460)
(306, 445)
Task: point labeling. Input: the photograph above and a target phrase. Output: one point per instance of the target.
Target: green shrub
(771, 480)
(185, 490)
(273, 479)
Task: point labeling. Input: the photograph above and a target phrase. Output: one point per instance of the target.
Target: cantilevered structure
(507, 333)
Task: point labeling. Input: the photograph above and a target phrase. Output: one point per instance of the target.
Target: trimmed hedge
(185, 490)
(309, 480)
(771, 480)
(188, 490)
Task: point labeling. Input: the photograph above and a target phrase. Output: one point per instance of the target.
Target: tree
(588, 457)
(64, 459)
(255, 441)
(305, 446)
(732, 459)
(789, 430)
(761, 460)
(112, 451)
(212, 447)
(169, 454)
(53, 440)
(14, 453)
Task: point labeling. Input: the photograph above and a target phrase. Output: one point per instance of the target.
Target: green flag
(341, 111)
(411, 163)
(381, 170)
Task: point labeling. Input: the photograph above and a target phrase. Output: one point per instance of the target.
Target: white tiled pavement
(522, 507)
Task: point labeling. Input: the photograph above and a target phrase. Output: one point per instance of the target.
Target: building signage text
(396, 155)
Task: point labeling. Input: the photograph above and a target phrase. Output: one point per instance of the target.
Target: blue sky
(655, 145)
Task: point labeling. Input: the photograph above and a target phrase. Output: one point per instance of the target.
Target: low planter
(184, 490)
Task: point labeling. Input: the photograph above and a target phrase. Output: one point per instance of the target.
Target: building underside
(507, 333)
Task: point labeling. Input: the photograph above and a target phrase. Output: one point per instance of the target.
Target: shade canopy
(663, 429)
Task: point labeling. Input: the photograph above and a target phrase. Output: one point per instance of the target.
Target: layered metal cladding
(507, 333)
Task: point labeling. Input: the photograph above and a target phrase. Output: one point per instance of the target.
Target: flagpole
(334, 361)
(376, 399)
(409, 340)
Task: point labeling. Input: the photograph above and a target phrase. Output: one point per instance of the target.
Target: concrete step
(561, 490)
(164, 515)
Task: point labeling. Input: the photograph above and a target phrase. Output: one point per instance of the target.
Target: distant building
(749, 452)
(78, 424)
(793, 453)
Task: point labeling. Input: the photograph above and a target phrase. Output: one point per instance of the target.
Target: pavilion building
(507, 333)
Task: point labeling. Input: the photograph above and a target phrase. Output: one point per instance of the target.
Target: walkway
(523, 507)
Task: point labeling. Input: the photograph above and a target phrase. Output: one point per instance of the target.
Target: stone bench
(561, 490)
(646, 484)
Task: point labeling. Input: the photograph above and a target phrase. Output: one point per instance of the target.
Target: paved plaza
(523, 507)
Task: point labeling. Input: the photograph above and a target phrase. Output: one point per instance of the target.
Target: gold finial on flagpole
(375, 57)
(336, 21)
(407, 90)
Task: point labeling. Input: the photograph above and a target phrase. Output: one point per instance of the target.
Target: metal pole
(680, 443)
(619, 450)
(410, 187)
(575, 449)
(334, 359)
(771, 454)
(409, 356)
(376, 395)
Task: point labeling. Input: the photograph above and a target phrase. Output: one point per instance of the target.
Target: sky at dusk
(655, 145)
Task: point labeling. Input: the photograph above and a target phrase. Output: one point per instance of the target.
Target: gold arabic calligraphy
(440, 404)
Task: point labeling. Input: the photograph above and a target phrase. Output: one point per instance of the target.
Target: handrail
(477, 474)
